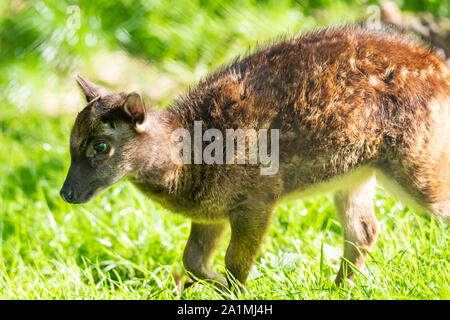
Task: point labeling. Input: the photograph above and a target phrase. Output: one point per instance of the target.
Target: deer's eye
(100, 147)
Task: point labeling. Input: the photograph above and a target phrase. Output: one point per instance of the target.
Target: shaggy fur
(352, 105)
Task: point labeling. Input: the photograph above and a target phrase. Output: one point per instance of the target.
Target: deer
(354, 107)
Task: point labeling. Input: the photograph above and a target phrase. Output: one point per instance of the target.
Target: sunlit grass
(124, 246)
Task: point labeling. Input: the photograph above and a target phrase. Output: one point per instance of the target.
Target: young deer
(352, 106)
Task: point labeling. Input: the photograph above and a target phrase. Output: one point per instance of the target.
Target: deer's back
(341, 98)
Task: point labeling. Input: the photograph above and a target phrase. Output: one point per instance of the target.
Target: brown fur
(350, 103)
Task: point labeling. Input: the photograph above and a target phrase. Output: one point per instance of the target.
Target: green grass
(124, 246)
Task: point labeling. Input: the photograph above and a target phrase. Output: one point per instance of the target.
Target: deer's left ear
(90, 90)
(135, 107)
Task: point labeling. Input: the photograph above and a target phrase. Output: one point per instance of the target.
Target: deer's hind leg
(423, 185)
(356, 213)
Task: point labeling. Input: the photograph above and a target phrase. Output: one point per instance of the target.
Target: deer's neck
(153, 165)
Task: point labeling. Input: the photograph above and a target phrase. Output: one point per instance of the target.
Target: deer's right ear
(135, 107)
(90, 90)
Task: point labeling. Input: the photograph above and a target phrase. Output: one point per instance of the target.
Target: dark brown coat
(353, 106)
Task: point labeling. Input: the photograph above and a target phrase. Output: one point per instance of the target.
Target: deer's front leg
(198, 253)
(248, 228)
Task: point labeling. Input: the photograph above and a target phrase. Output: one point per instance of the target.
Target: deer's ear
(90, 90)
(135, 107)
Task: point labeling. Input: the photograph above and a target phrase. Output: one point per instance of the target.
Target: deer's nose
(67, 195)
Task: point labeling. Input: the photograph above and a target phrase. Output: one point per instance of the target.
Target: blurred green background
(170, 43)
(122, 245)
